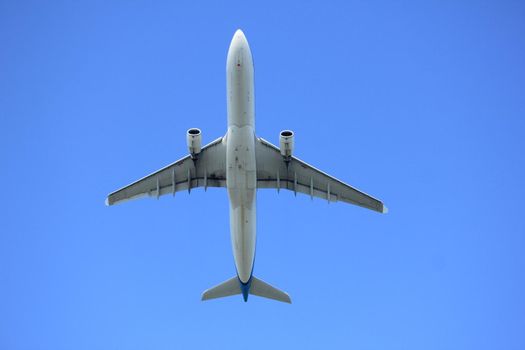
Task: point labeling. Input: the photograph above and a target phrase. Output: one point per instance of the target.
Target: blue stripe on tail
(245, 288)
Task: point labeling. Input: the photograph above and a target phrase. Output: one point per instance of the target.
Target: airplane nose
(239, 52)
(239, 33)
(239, 39)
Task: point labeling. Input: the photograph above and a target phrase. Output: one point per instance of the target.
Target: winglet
(385, 209)
(107, 201)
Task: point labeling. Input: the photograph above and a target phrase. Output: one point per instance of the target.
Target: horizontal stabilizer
(263, 289)
(225, 289)
(255, 286)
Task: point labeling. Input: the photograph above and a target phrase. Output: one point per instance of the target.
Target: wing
(207, 170)
(298, 176)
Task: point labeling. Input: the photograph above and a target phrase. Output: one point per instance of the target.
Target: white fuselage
(241, 178)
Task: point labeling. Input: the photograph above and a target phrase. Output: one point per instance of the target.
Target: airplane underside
(243, 163)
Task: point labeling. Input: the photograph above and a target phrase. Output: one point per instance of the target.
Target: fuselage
(241, 177)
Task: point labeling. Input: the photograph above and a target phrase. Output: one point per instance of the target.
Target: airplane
(242, 163)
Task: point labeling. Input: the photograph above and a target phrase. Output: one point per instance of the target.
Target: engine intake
(194, 141)
(286, 143)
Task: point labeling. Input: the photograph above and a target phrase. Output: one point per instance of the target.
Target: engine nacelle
(194, 141)
(286, 143)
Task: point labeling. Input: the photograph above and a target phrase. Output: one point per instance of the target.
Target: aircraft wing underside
(298, 176)
(208, 170)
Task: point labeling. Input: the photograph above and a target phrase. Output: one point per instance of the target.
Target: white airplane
(242, 163)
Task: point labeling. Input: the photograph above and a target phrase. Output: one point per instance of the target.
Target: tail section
(255, 286)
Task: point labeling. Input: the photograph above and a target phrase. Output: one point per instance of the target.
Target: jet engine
(194, 141)
(286, 143)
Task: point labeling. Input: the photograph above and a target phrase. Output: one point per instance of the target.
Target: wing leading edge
(207, 170)
(298, 176)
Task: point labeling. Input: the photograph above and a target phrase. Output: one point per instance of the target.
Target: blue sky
(418, 103)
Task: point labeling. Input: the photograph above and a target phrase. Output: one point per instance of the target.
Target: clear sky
(421, 104)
